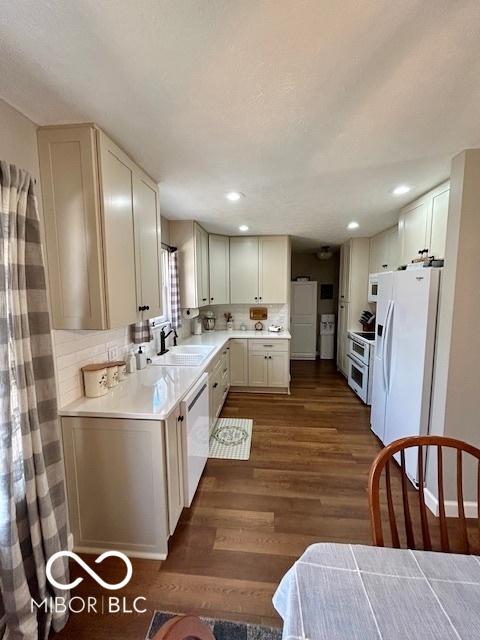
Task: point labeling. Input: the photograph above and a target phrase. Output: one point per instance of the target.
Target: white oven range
(361, 353)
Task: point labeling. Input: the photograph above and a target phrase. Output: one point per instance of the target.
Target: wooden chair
(184, 628)
(382, 461)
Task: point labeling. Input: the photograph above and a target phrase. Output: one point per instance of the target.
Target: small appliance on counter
(197, 327)
(209, 321)
(275, 328)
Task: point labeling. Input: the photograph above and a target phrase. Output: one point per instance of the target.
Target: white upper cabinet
(423, 223)
(119, 249)
(191, 241)
(219, 269)
(244, 270)
(273, 269)
(201, 261)
(148, 248)
(259, 269)
(438, 221)
(384, 251)
(91, 208)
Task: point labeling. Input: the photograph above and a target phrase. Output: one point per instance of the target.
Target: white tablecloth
(337, 591)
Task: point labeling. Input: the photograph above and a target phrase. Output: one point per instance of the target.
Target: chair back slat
(382, 462)
(427, 542)
(460, 505)
(391, 508)
(406, 505)
(441, 502)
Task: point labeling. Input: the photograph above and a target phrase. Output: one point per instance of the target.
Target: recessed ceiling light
(401, 190)
(234, 196)
(243, 227)
(352, 225)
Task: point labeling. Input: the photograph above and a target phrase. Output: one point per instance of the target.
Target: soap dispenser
(141, 359)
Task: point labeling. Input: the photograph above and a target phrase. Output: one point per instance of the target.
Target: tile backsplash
(74, 349)
(277, 314)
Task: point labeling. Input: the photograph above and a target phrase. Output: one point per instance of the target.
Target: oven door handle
(361, 365)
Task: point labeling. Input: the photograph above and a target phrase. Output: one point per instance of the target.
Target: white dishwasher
(195, 434)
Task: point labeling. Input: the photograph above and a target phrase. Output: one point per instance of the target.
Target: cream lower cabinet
(174, 460)
(102, 231)
(268, 363)
(218, 383)
(342, 337)
(238, 362)
(116, 472)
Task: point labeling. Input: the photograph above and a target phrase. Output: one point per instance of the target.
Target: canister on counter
(95, 380)
(112, 374)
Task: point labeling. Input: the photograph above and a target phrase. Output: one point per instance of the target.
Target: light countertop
(153, 392)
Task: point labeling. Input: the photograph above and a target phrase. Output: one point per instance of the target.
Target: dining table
(357, 592)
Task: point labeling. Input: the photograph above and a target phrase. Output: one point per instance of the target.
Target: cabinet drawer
(267, 345)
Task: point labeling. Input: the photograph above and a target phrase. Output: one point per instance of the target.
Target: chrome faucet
(163, 337)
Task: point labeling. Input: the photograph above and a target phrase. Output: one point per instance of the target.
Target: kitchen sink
(183, 356)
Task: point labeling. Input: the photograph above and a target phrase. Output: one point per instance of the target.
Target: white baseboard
(451, 507)
(146, 555)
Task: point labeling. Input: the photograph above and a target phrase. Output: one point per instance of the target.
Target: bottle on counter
(131, 363)
(141, 359)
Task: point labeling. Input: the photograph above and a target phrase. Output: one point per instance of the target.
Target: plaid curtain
(176, 318)
(33, 519)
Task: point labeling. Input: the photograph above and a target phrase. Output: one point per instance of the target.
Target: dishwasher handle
(196, 398)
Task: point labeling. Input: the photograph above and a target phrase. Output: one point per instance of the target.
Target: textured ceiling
(314, 109)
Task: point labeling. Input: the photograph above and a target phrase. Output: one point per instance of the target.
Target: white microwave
(373, 287)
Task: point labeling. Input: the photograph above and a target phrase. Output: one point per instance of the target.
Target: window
(165, 317)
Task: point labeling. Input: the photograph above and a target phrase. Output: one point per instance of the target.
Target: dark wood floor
(306, 481)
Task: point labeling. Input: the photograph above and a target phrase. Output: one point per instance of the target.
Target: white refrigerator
(404, 348)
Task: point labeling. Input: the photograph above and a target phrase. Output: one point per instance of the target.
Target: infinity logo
(90, 571)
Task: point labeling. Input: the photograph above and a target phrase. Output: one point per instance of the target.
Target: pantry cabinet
(422, 224)
(191, 241)
(101, 215)
(259, 270)
(219, 269)
(354, 270)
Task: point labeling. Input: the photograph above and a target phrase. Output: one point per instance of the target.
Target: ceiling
(315, 110)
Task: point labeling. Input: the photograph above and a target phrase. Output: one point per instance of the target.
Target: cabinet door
(392, 252)
(119, 249)
(71, 207)
(244, 270)
(147, 247)
(342, 337)
(219, 269)
(278, 369)
(201, 265)
(413, 227)
(238, 362)
(273, 267)
(438, 230)
(257, 369)
(375, 254)
(175, 494)
(345, 252)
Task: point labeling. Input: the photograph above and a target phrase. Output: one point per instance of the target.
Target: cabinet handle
(147, 308)
(264, 357)
(269, 357)
(180, 418)
(144, 308)
(225, 352)
(204, 299)
(211, 299)
(384, 266)
(215, 385)
(260, 297)
(256, 298)
(268, 345)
